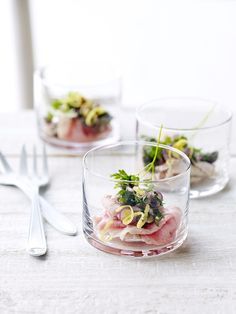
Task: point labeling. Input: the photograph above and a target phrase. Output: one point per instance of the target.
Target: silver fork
(36, 238)
(55, 218)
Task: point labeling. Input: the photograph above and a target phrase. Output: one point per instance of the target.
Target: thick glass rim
(146, 122)
(133, 143)
(39, 72)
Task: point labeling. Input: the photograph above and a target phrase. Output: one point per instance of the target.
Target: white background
(161, 48)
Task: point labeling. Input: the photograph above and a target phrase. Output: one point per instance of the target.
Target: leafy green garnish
(49, 117)
(181, 143)
(209, 157)
(76, 106)
(74, 100)
(156, 152)
(127, 180)
(128, 197)
(127, 194)
(56, 104)
(142, 196)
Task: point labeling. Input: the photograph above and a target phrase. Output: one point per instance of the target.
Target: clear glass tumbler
(199, 128)
(126, 209)
(74, 111)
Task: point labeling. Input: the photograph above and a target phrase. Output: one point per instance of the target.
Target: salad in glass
(200, 128)
(136, 214)
(77, 110)
(167, 165)
(130, 211)
(77, 119)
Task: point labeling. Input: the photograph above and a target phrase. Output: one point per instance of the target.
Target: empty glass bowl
(129, 211)
(76, 112)
(199, 128)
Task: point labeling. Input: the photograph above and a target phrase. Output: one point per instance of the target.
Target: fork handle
(36, 239)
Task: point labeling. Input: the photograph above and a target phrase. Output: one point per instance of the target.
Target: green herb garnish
(156, 153)
(178, 142)
(76, 106)
(127, 180)
(146, 200)
(49, 117)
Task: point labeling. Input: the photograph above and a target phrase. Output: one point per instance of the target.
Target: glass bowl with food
(75, 113)
(126, 209)
(199, 128)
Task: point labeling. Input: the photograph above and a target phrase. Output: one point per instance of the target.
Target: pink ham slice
(71, 129)
(151, 234)
(106, 218)
(167, 232)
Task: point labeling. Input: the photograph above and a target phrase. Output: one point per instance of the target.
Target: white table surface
(200, 277)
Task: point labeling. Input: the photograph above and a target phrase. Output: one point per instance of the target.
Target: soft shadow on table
(218, 196)
(182, 252)
(40, 258)
(44, 189)
(186, 251)
(228, 188)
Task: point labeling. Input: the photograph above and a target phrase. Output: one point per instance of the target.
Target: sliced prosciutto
(109, 226)
(72, 129)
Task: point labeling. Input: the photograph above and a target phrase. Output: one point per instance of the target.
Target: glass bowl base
(207, 188)
(143, 251)
(77, 147)
(81, 147)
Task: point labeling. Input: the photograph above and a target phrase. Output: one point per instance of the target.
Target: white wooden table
(200, 277)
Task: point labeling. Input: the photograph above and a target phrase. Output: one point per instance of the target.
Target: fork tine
(5, 163)
(35, 168)
(23, 161)
(45, 162)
